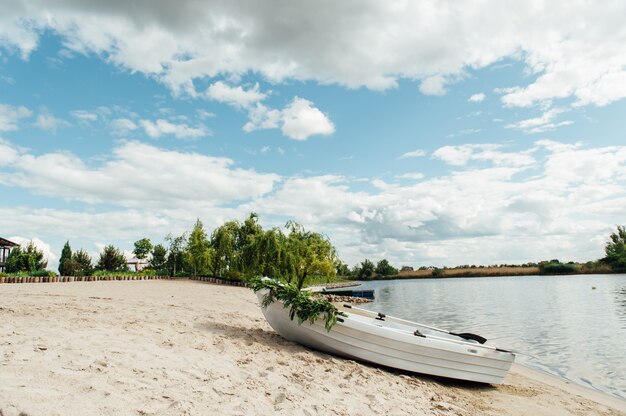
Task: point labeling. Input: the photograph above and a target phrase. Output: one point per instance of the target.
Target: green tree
(142, 248)
(342, 269)
(82, 263)
(112, 260)
(16, 261)
(198, 249)
(383, 268)
(30, 259)
(247, 245)
(66, 264)
(159, 257)
(271, 257)
(309, 254)
(224, 244)
(616, 250)
(367, 269)
(175, 258)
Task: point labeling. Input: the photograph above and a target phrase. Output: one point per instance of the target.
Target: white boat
(393, 342)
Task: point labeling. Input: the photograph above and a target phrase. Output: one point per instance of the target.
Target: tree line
(235, 250)
(239, 250)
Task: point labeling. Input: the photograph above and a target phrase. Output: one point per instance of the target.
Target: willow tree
(248, 235)
(270, 254)
(308, 254)
(224, 244)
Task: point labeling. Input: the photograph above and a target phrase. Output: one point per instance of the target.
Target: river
(571, 326)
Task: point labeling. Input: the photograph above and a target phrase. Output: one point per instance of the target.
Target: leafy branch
(301, 304)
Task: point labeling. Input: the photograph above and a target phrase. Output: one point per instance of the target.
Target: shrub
(557, 268)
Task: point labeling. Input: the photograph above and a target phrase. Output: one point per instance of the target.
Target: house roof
(6, 243)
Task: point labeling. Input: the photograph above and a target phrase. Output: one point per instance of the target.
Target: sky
(427, 133)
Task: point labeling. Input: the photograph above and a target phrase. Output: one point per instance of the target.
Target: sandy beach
(193, 348)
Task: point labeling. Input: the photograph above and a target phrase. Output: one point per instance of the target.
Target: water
(561, 324)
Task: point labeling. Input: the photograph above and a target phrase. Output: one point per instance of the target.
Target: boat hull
(378, 342)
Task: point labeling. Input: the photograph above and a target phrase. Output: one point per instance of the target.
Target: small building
(137, 265)
(5, 249)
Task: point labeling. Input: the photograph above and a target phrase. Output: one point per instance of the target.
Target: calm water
(565, 327)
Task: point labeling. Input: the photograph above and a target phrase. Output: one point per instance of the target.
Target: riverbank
(444, 273)
(187, 347)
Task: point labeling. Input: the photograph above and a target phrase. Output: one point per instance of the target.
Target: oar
(382, 316)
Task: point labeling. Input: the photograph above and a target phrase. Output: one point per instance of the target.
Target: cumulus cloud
(236, 96)
(299, 120)
(180, 131)
(559, 200)
(137, 175)
(10, 116)
(428, 42)
(477, 98)
(433, 85)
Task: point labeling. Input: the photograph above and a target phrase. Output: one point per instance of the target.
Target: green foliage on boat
(302, 305)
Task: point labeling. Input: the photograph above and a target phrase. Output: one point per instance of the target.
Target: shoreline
(186, 347)
(463, 275)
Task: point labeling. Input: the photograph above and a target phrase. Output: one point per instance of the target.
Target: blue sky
(427, 134)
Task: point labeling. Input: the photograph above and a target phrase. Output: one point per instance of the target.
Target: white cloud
(236, 96)
(433, 85)
(10, 116)
(203, 114)
(84, 116)
(428, 42)
(477, 98)
(180, 131)
(411, 175)
(461, 155)
(299, 120)
(9, 154)
(47, 121)
(541, 124)
(561, 203)
(413, 153)
(122, 126)
(137, 175)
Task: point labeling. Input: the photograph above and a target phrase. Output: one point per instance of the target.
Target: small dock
(355, 293)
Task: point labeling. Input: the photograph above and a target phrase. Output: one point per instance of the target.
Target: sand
(193, 348)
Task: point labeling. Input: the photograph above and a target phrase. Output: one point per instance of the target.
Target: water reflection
(560, 323)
